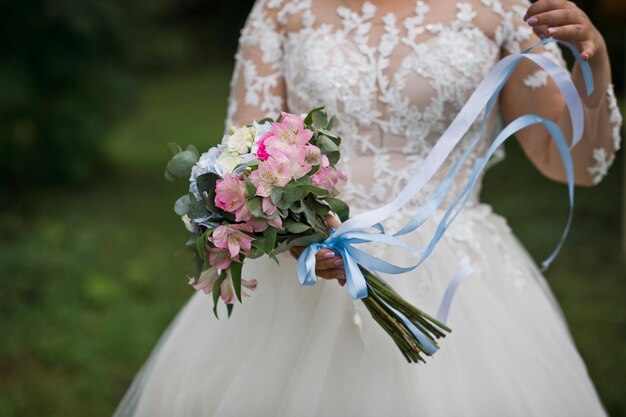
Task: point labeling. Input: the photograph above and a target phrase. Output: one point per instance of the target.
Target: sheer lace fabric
(395, 79)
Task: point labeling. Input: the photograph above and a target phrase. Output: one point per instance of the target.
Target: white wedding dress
(395, 80)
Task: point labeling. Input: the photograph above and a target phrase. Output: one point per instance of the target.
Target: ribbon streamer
(356, 230)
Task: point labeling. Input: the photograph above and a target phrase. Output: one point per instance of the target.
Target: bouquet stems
(392, 312)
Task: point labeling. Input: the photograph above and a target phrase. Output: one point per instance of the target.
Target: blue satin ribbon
(358, 229)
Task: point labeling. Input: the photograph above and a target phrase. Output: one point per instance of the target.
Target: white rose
(228, 160)
(240, 141)
(190, 224)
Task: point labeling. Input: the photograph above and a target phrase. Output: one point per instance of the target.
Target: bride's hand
(329, 266)
(563, 20)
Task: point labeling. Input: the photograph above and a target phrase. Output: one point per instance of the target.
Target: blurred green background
(91, 91)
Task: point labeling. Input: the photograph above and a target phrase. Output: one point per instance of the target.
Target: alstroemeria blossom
(261, 151)
(328, 177)
(260, 224)
(272, 173)
(227, 289)
(230, 193)
(219, 258)
(205, 282)
(233, 238)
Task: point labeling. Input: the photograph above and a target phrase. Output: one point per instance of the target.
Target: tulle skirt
(293, 351)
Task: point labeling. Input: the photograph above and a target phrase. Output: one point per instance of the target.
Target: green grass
(90, 279)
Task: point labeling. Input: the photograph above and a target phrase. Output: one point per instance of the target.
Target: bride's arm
(529, 91)
(257, 89)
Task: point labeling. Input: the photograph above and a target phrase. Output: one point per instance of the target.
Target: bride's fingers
(338, 274)
(541, 31)
(560, 17)
(543, 6)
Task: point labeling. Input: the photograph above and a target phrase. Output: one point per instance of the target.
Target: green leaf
(309, 117)
(339, 207)
(250, 188)
(291, 194)
(295, 227)
(327, 145)
(320, 120)
(229, 309)
(276, 194)
(180, 165)
(270, 235)
(333, 157)
(197, 209)
(297, 207)
(235, 273)
(307, 240)
(313, 190)
(181, 206)
(331, 123)
(174, 148)
(328, 134)
(206, 182)
(169, 177)
(309, 215)
(255, 207)
(216, 291)
(194, 150)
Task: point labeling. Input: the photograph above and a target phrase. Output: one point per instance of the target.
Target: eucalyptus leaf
(313, 190)
(291, 194)
(276, 194)
(182, 205)
(270, 236)
(307, 240)
(295, 227)
(180, 165)
(339, 207)
(229, 309)
(194, 150)
(255, 207)
(309, 117)
(320, 119)
(174, 148)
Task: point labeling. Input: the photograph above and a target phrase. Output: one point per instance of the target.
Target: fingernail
(532, 21)
(338, 262)
(585, 56)
(552, 31)
(542, 36)
(525, 17)
(329, 255)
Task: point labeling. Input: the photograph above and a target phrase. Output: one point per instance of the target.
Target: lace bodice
(394, 78)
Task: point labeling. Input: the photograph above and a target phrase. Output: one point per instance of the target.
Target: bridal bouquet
(265, 189)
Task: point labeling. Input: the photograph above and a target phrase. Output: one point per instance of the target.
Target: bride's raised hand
(329, 265)
(564, 20)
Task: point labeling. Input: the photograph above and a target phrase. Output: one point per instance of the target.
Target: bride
(395, 73)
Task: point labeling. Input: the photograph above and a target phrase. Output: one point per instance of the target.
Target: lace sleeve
(257, 86)
(531, 91)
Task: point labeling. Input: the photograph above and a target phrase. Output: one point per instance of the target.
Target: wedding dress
(395, 80)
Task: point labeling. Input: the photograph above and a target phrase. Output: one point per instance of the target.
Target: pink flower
(227, 289)
(313, 155)
(233, 238)
(259, 225)
(219, 258)
(268, 207)
(270, 174)
(261, 152)
(205, 281)
(328, 178)
(288, 132)
(230, 193)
